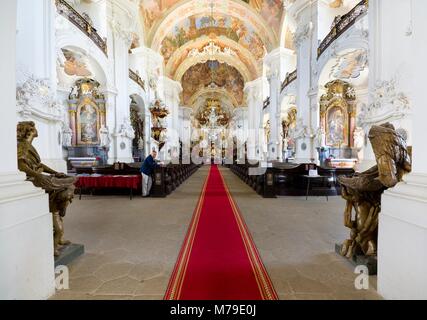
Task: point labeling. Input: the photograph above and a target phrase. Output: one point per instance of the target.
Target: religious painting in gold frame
(88, 122)
(337, 116)
(336, 123)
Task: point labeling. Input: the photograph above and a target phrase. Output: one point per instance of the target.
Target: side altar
(87, 137)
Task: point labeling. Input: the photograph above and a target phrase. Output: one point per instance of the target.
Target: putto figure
(363, 191)
(59, 186)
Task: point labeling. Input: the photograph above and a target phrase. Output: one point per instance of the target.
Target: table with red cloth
(130, 182)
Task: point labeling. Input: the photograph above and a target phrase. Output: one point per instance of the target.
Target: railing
(266, 103)
(80, 22)
(291, 77)
(135, 77)
(342, 24)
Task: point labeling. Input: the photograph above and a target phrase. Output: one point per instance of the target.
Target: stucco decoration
(388, 104)
(212, 72)
(350, 65)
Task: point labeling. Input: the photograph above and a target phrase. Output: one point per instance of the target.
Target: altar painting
(88, 123)
(336, 127)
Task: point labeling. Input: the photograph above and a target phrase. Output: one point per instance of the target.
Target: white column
(118, 51)
(185, 132)
(147, 132)
(172, 91)
(401, 49)
(240, 119)
(278, 62)
(26, 240)
(255, 94)
(306, 43)
(273, 144)
(36, 77)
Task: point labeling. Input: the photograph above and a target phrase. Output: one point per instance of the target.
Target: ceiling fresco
(153, 10)
(192, 35)
(213, 73)
(270, 10)
(197, 26)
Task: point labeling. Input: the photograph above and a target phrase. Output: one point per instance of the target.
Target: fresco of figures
(270, 10)
(223, 75)
(197, 26)
(75, 64)
(152, 10)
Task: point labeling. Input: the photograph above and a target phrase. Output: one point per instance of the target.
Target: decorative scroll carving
(388, 104)
(363, 191)
(210, 50)
(35, 97)
(302, 33)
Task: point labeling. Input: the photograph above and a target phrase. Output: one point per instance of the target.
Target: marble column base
(26, 240)
(402, 239)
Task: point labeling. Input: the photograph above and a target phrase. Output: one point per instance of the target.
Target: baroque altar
(89, 136)
(338, 120)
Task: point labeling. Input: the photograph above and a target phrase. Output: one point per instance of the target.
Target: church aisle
(218, 260)
(131, 246)
(296, 240)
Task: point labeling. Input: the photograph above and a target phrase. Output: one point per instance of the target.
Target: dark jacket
(148, 165)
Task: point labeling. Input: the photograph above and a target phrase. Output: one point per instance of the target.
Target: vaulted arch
(220, 48)
(232, 8)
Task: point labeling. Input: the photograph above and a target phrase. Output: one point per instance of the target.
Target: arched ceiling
(204, 49)
(209, 77)
(191, 33)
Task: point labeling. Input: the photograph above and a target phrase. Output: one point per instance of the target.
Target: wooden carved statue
(59, 186)
(363, 191)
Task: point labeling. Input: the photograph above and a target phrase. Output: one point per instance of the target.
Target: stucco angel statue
(363, 191)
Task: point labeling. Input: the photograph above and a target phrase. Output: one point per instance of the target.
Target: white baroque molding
(126, 130)
(388, 104)
(211, 49)
(302, 33)
(121, 32)
(34, 98)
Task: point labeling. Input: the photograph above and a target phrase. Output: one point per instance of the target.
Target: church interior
(213, 150)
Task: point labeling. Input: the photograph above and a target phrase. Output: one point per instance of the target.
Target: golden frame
(341, 105)
(87, 101)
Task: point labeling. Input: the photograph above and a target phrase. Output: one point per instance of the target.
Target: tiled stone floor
(131, 246)
(296, 240)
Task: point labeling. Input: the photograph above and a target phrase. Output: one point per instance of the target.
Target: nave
(132, 246)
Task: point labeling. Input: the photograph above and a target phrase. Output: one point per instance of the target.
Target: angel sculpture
(59, 186)
(363, 191)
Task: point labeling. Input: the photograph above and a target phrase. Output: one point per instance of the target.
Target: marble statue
(104, 137)
(359, 142)
(67, 136)
(59, 186)
(320, 138)
(363, 191)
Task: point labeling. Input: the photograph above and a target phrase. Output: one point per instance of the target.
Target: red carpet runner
(218, 260)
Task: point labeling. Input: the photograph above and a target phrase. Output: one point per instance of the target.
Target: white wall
(36, 35)
(402, 240)
(26, 239)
